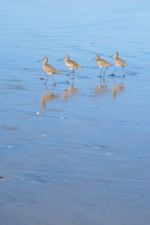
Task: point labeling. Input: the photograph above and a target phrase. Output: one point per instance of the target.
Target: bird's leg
(113, 74)
(101, 72)
(45, 83)
(73, 77)
(105, 71)
(68, 74)
(46, 80)
(73, 73)
(67, 81)
(100, 81)
(46, 86)
(53, 80)
(122, 79)
(123, 72)
(104, 83)
(72, 83)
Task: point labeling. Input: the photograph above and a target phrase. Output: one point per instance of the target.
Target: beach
(76, 153)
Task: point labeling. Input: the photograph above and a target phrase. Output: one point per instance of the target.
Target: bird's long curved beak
(61, 59)
(40, 60)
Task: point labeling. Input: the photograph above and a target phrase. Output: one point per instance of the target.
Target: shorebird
(119, 63)
(72, 65)
(103, 64)
(49, 69)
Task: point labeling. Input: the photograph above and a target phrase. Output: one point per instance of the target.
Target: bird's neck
(67, 59)
(116, 56)
(98, 58)
(45, 62)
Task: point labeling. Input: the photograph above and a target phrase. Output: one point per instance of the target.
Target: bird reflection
(49, 96)
(117, 88)
(71, 90)
(102, 87)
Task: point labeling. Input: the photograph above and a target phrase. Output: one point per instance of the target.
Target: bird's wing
(52, 69)
(122, 61)
(74, 64)
(105, 62)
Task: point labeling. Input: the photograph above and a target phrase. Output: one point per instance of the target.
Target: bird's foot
(41, 78)
(112, 75)
(54, 84)
(67, 81)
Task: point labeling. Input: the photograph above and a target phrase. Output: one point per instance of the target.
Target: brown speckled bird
(119, 63)
(103, 64)
(49, 69)
(72, 65)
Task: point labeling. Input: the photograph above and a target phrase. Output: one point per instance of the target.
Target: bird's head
(45, 59)
(66, 57)
(97, 57)
(116, 55)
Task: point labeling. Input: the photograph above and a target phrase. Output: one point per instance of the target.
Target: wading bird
(72, 65)
(49, 69)
(103, 64)
(119, 63)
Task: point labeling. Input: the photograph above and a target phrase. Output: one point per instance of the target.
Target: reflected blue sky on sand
(76, 153)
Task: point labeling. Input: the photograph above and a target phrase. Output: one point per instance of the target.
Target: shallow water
(76, 153)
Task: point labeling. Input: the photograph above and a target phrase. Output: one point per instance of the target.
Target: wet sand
(77, 153)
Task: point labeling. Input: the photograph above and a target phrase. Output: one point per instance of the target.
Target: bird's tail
(80, 66)
(58, 72)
